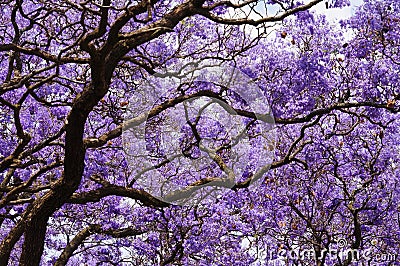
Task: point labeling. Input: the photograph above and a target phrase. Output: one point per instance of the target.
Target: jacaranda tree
(70, 190)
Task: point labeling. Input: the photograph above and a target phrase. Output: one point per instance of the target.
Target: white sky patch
(336, 14)
(333, 15)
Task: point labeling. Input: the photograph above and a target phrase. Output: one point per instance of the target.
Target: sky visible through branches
(199, 132)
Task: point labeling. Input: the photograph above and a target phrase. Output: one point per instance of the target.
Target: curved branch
(42, 54)
(73, 245)
(109, 189)
(206, 12)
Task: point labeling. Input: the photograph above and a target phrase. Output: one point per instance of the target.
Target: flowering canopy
(69, 68)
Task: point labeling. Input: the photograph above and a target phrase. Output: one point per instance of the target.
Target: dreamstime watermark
(340, 253)
(196, 131)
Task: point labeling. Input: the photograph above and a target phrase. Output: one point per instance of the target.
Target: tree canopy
(318, 172)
